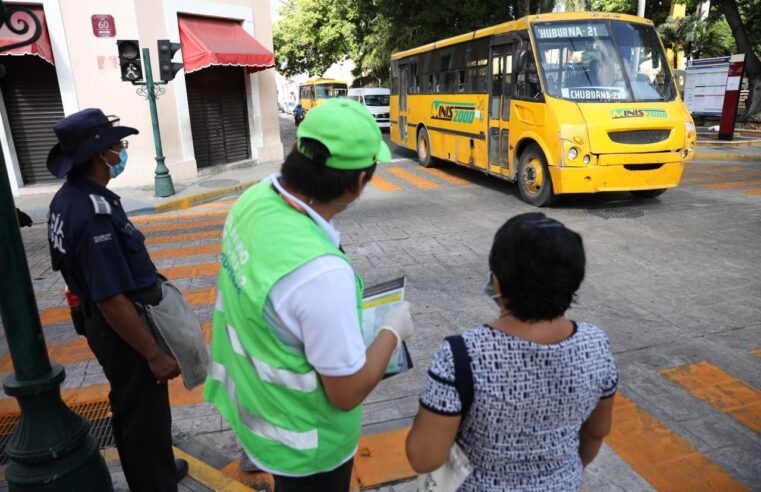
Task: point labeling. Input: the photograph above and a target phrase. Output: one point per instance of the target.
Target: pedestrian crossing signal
(167, 68)
(129, 60)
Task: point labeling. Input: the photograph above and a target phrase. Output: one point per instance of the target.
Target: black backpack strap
(463, 375)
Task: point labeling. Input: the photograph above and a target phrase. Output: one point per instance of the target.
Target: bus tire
(534, 181)
(424, 149)
(648, 193)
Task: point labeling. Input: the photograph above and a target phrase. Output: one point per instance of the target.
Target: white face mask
(489, 289)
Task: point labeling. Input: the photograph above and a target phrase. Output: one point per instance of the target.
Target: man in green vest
(289, 367)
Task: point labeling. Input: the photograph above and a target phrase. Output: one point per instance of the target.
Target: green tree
(311, 35)
(674, 33)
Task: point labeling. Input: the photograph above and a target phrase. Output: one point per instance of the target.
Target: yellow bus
(314, 91)
(559, 103)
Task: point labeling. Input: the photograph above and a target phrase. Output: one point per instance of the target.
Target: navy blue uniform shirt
(92, 242)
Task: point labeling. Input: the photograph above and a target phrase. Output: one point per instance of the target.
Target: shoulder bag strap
(463, 375)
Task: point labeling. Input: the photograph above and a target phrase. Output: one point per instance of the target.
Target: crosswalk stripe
(204, 249)
(178, 396)
(412, 178)
(719, 389)
(714, 169)
(755, 191)
(77, 350)
(383, 185)
(191, 271)
(698, 179)
(731, 184)
(667, 461)
(178, 238)
(756, 352)
(445, 176)
(174, 226)
(155, 219)
(60, 314)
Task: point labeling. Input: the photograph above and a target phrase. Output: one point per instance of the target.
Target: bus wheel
(534, 182)
(647, 193)
(424, 149)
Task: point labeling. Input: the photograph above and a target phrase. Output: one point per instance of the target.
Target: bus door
(500, 88)
(405, 80)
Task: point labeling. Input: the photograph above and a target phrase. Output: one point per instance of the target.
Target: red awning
(41, 47)
(207, 41)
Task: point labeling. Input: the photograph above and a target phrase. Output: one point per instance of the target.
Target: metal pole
(51, 448)
(163, 181)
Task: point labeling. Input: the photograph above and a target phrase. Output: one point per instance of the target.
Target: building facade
(222, 109)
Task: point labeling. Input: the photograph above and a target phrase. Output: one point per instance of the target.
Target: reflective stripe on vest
(257, 425)
(306, 382)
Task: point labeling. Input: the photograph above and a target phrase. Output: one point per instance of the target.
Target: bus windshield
(603, 60)
(329, 91)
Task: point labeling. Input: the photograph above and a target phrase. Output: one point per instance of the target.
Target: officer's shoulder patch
(100, 205)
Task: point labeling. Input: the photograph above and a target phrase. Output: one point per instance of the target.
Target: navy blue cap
(81, 136)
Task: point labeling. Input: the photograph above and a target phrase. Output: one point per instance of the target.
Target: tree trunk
(752, 63)
(524, 8)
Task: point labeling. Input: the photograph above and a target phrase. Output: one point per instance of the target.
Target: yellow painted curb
(729, 143)
(210, 476)
(726, 156)
(189, 201)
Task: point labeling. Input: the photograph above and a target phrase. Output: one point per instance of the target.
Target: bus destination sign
(575, 30)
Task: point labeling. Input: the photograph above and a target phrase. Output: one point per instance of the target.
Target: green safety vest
(271, 395)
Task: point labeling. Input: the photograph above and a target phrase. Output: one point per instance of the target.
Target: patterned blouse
(529, 402)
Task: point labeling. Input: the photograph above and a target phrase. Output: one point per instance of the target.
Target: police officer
(103, 259)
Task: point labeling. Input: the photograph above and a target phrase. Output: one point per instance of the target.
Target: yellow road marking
(412, 178)
(382, 185)
(716, 169)
(665, 460)
(719, 389)
(756, 191)
(174, 226)
(77, 350)
(177, 238)
(756, 352)
(445, 176)
(208, 475)
(220, 203)
(153, 219)
(205, 249)
(717, 178)
(731, 184)
(60, 314)
(191, 271)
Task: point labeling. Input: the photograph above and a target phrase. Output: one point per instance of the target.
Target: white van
(375, 100)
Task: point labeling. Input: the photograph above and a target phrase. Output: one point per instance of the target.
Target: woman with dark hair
(533, 408)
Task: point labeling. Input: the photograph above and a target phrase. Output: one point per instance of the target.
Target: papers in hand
(378, 300)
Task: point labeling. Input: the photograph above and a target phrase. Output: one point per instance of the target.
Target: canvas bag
(179, 333)
(449, 476)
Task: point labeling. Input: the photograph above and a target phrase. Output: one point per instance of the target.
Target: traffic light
(167, 68)
(129, 60)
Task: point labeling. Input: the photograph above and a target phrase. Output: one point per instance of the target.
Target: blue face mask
(489, 290)
(118, 168)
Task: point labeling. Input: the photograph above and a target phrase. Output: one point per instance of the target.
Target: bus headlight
(573, 153)
(692, 147)
(586, 159)
(689, 128)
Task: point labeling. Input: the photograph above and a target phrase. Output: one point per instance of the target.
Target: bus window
(507, 86)
(329, 91)
(497, 74)
(527, 78)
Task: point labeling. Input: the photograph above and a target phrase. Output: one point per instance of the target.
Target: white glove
(399, 322)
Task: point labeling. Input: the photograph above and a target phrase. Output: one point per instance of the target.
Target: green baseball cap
(349, 132)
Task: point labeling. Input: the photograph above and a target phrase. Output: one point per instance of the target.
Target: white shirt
(313, 310)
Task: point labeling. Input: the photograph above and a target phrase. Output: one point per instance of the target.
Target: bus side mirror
(519, 62)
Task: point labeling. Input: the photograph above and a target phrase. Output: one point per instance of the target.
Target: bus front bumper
(591, 179)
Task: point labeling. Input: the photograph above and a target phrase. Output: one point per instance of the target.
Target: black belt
(148, 295)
